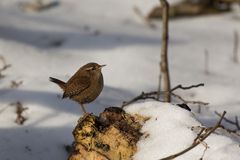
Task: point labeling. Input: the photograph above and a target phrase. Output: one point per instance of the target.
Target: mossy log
(111, 136)
(38, 5)
(189, 8)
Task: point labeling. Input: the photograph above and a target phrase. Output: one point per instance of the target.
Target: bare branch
(142, 96)
(139, 13)
(206, 60)
(4, 67)
(231, 131)
(159, 86)
(201, 138)
(189, 102)
(185, 88)
(236, 123)
(199, 134)
(19, 111)
(15, 84)
(206, 147)
(164, 52)
(154, 95)
(199, 108)
(235, 46)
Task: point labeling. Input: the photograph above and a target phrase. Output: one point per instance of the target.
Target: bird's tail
(58, 82)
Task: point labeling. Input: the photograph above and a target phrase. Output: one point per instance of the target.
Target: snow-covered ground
(106, 32)
(169, 131)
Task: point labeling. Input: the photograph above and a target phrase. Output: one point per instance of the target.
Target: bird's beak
(101, 66)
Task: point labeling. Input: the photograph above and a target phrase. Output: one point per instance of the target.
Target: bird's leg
(84, 110)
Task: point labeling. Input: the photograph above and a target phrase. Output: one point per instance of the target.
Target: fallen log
(190, 8)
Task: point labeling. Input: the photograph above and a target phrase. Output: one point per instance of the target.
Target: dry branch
(235, 47)
(200, 138)
(231, 131)
(19, 111)
(139, 13)
(142, 96)
(4, 67)
(206, 62)
(15, 84)
(189, 102)
(206, 147)
(154, 95)
(235, 123)
(165, 86)
(185, 88)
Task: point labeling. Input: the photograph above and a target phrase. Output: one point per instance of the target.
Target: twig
(142, 96)
(4, 67)
(159, 87)
(15, 84)
(138, 12)
(199, 134)
(206, 60)
(185, 88)
(154, 95)
(19, 110)
(199, 108)
(201, 138)
(206, 147)
(235, 46)
(164, 52)
(236, 123)
(231, 131)
(189, 102)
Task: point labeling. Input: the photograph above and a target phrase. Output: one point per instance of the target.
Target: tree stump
(111, 136)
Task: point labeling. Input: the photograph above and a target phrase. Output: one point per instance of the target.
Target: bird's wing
(76, 86)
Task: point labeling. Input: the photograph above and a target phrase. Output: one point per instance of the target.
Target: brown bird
(84, 86)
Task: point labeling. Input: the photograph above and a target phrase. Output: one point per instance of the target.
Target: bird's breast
(92, 92)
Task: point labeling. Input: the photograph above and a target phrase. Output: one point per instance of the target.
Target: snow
(109, 32)
(169, 130)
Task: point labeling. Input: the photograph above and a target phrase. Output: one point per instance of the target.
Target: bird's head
(93, 67)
